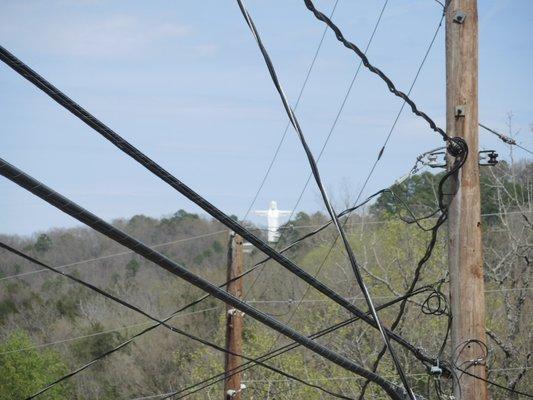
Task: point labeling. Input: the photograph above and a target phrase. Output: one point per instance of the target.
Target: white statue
(273, 215)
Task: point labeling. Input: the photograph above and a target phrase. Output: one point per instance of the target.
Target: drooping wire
(392, 88)
(391, 130)
(333, 215)
(256, 266)
(72, 264)
(62, 203)
(63, 100)
(397, 118)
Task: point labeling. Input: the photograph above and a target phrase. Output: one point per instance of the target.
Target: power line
(282, 350)
(250, 270)
(63, 100)
(333, 378)
(159, 322)
(105, 332)
(50, 196)
(397, 118)
(167, 177)
(300, 94)
(123, 253)
(504, 138)
(155, 246)
(314, 168)
(392, 88)
(391, 129)
(324, 145)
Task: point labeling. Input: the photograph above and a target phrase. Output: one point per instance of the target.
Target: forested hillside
(51, 325)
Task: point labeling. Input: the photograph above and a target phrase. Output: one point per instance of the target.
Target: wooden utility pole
(234, 318)
(464, 222)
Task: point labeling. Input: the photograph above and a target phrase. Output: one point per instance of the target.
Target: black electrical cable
(329, 135)
(160, 172)
(391, 130)
(397, 118)
(195, 302)
(159, 322)
(284, 349)
(296, 104)
(63, 100)
(331, 211)
(458, 163)
(62, 203)
(490, 382)
(250, 363)
(392, 88)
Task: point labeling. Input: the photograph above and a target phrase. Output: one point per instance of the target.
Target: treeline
(50, 325)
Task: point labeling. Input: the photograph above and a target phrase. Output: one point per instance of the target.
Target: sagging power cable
(62, 203)
(331, 211)
(199, 300)
(126, 147)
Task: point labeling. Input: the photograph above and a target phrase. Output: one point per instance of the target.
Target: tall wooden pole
(234, 318)
(464, 222)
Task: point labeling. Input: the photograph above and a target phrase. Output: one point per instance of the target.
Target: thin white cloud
(81, 36)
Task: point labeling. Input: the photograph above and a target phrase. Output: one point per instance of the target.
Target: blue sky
(185, 82)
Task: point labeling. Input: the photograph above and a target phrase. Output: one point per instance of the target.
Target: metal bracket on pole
(459, 17)
(460, 111)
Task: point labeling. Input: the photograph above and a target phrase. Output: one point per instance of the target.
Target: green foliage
(23, 373)
(67, 306)
(43, 243)
(132, 267)
(419, 193)
(217, 247)
(498, 188)
(7, 307)
(94, 346)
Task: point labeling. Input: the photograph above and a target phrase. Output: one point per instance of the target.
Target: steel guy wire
(504, 138)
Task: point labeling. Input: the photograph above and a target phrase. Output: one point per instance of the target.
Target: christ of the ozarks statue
(273, 215)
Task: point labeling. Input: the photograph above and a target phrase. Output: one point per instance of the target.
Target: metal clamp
(460, 111)
(234, 311)
(488, 160)
(435, 370)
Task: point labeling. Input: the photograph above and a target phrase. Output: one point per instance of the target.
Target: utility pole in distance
(464, 220)
(234, 318)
